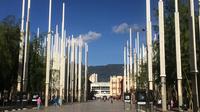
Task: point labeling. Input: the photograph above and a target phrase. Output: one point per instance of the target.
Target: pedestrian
(172, 103)
(38, 102)
(55, 101)
(111, 99)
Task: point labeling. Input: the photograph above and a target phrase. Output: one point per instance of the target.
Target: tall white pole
(86, 70)
(79, 68)
(131, 61)
(20, 68)
(68, 70)
(72, 71)
(125, 88)
(76, 69)
(162, 54)
(128, 70)
(135, 68)
(199, 16)
(178, 55)
(62, 63)
(25, 70)
(193, 58)
(137, 58)
(48, 57)
(149, 44)
(38, 32)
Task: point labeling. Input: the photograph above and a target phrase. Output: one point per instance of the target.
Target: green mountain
(105, 71)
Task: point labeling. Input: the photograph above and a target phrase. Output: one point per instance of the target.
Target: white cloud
(90, 36)
(124, 28)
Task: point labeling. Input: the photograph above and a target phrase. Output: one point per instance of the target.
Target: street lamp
(193, 58)
(162, 54)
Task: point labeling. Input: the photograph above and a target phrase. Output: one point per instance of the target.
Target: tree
(36, 77)
(9, 47)
(170, 53)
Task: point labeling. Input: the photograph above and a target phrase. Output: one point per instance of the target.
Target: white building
(101, 89)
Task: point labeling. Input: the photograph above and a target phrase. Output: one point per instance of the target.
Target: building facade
(101, 89)
(116, 86)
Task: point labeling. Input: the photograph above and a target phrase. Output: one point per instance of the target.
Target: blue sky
(83, 16)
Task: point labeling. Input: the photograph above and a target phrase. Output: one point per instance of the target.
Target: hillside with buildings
(105, 71)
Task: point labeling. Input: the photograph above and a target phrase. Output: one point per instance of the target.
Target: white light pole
(27, 36)
(79, 68)
(62, 63)
(137, 58)
(48, 57)
(128, 70)
(20, 68)
(162, 54)
(149, 43)
(178, 55)
(68, 70)
(76, 68)
(125, 88)
(131, 61)
(193, 58)
(199, 17)
(135, 68)
(86, 71)
(72, 70)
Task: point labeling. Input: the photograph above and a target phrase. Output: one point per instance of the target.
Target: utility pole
(149, 43)
(21, 50)
(48, 57)
(125, 88)
(62, 63)
(27, 36)
(193, 58)
(162, 54)
(178, 55)
(79, 68)
(86, 71)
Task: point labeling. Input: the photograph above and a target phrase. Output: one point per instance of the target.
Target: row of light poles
(193, 64)
(193, 59)
(68, 53)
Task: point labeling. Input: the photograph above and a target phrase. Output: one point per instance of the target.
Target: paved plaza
(91, 106)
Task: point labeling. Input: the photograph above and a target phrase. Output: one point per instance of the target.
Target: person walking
(38, 102)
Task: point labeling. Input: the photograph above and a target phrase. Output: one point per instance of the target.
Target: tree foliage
(36, 76)
(9, 50)
(170, 53)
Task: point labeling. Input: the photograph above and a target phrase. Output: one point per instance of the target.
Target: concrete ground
(91, 106)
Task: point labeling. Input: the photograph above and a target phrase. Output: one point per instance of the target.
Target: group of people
(55, 101)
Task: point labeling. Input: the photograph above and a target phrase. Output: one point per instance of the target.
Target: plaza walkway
(92, 106)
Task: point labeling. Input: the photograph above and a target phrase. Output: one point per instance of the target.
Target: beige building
(116, 86)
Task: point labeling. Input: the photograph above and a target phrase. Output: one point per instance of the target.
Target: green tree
(9, 47)
(170, 53)
(36, 76)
